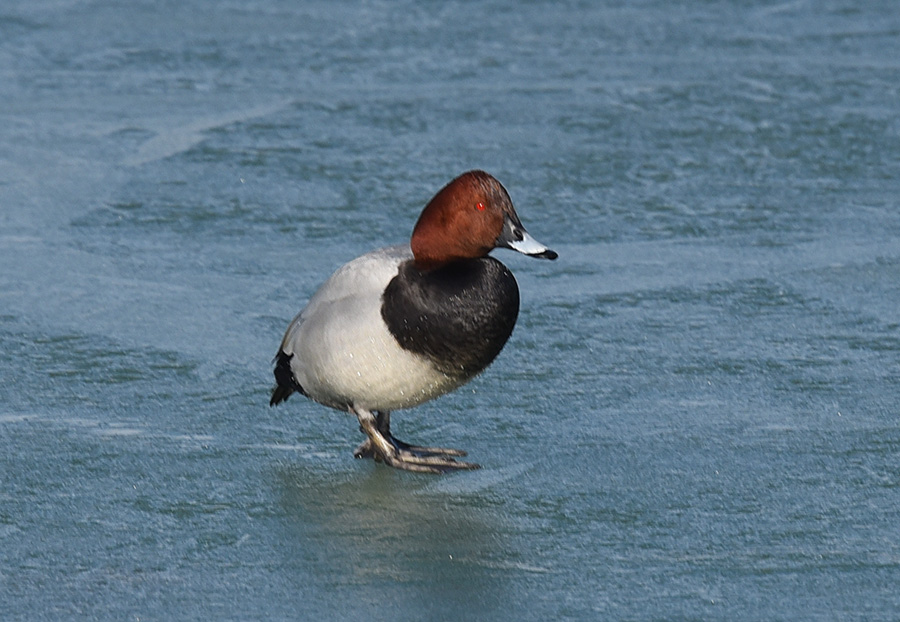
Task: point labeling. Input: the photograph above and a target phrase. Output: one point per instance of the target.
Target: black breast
(458, 316)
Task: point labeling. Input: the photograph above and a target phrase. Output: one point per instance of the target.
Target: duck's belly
(349, 357)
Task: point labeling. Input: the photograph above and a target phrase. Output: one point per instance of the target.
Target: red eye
(479, 206)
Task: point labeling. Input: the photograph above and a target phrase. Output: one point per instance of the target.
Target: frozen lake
(697, 417)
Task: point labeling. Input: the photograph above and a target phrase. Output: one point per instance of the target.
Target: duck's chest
(458, 316)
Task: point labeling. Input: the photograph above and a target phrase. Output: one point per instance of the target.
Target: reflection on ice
(393, 533)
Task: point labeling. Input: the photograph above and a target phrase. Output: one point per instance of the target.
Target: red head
(468, 218)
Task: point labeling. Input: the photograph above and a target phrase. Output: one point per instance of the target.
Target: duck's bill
(529, 246)
(516, 238)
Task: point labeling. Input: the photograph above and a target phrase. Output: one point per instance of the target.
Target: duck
(402, 325)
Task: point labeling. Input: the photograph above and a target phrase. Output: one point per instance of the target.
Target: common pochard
(402, 325)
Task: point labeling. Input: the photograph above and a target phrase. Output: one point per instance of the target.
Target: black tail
(285, 384)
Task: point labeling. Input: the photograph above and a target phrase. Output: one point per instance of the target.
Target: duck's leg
(383, 422)
(383, 418)
(383, 447)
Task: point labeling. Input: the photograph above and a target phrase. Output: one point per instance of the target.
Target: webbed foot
(383, 447)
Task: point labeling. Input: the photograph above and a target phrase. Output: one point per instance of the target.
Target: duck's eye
(479, 206)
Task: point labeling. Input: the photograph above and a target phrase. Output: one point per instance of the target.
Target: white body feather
(343, 353)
